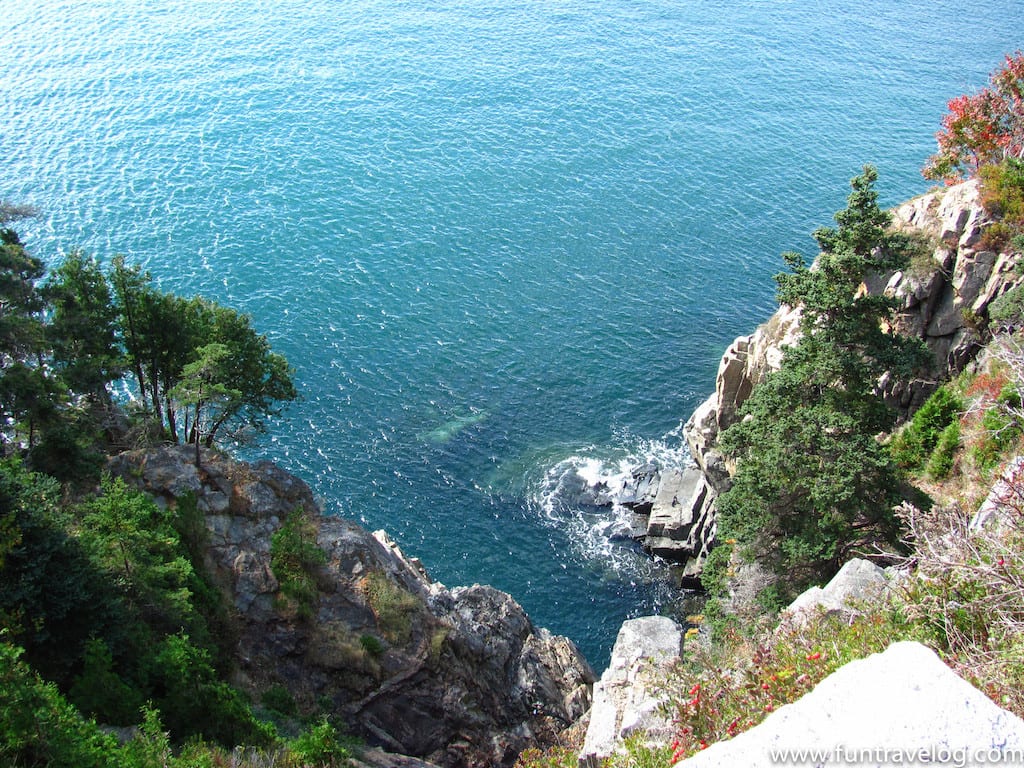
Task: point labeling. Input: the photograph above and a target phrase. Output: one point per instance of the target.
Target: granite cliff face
(944, 299)
(458, 676)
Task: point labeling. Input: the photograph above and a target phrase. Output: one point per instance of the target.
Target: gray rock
(680, 526)
(629, 695)
(858, 579)
(887, 709)
(455, 677)
(1004, 500)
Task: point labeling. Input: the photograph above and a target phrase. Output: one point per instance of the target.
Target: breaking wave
(581, 494)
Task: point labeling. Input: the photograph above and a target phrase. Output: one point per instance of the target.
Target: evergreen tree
(83, 325)
(813, 483)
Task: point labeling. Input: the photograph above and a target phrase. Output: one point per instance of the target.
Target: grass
(393, 607)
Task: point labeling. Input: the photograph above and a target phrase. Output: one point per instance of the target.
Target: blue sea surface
(502, 243)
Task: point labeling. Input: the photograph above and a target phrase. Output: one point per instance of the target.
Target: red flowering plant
(730, 686)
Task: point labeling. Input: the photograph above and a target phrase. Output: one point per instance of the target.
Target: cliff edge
(460, 677)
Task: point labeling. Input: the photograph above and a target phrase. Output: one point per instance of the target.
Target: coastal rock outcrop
(460, 677)
(858, 579)
(901, 706)
(629, 695)
(944, 298)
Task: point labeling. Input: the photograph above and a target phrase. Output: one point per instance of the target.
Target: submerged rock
(458, 677)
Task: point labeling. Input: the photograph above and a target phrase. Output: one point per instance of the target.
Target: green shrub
(1002, 194)
(940, 463)
(1008, 309)
(1001, 431)
(194, 702)
(38, 727)
(372, 645)
(294, 556)
(99, 691)
(912, 446)
(280, 700)
(320, 745)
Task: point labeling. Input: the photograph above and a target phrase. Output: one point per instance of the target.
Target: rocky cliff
(944, 297)
(458, 676)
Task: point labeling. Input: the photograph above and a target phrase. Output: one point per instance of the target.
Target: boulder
(1005, 500)
(858, 579)
(899, 707)
(629, 695)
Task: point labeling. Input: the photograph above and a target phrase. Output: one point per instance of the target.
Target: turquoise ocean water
(502, 243)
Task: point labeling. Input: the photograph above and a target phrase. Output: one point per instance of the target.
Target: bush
(912, 447)
(294, 556)
(195, 703)
(372, 645)
(280, 700)
(393, 607)
(1001, 431)
(320, 745)
(39, 727)
(940, 463)
(1008, 309)
(99, 691)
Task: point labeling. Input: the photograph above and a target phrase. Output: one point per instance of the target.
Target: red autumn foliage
(982, 128)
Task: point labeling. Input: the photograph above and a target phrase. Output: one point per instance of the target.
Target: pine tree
(813, 484)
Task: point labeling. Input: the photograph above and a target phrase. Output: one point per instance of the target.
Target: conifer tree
(813, 483)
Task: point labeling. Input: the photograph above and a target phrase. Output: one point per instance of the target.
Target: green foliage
(940, 463)
(1008, 310)
(393, 607)
(912, 447)
(372, 645)
(320, 745)
(52, 597)
(194, 702)
(21, 327)
(1001, 431)
(201, 388)
(812, 483)
(150, 746)
(1002, 194)
(278, 699)
(99, 691)
(83, 327)
(38, 727)
(182, 351)
(134, 540)
(294, 557)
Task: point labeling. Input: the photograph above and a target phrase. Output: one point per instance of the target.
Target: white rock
(856, 579)
(628, 695)
(900, 707)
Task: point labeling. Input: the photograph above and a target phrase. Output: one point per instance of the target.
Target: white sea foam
(581, 493)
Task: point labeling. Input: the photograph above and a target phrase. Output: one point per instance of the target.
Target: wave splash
(584, 495)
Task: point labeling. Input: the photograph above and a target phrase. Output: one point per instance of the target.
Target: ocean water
(502, 243)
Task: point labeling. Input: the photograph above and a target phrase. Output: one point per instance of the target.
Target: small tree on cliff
(986, 127)
(812, 481)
